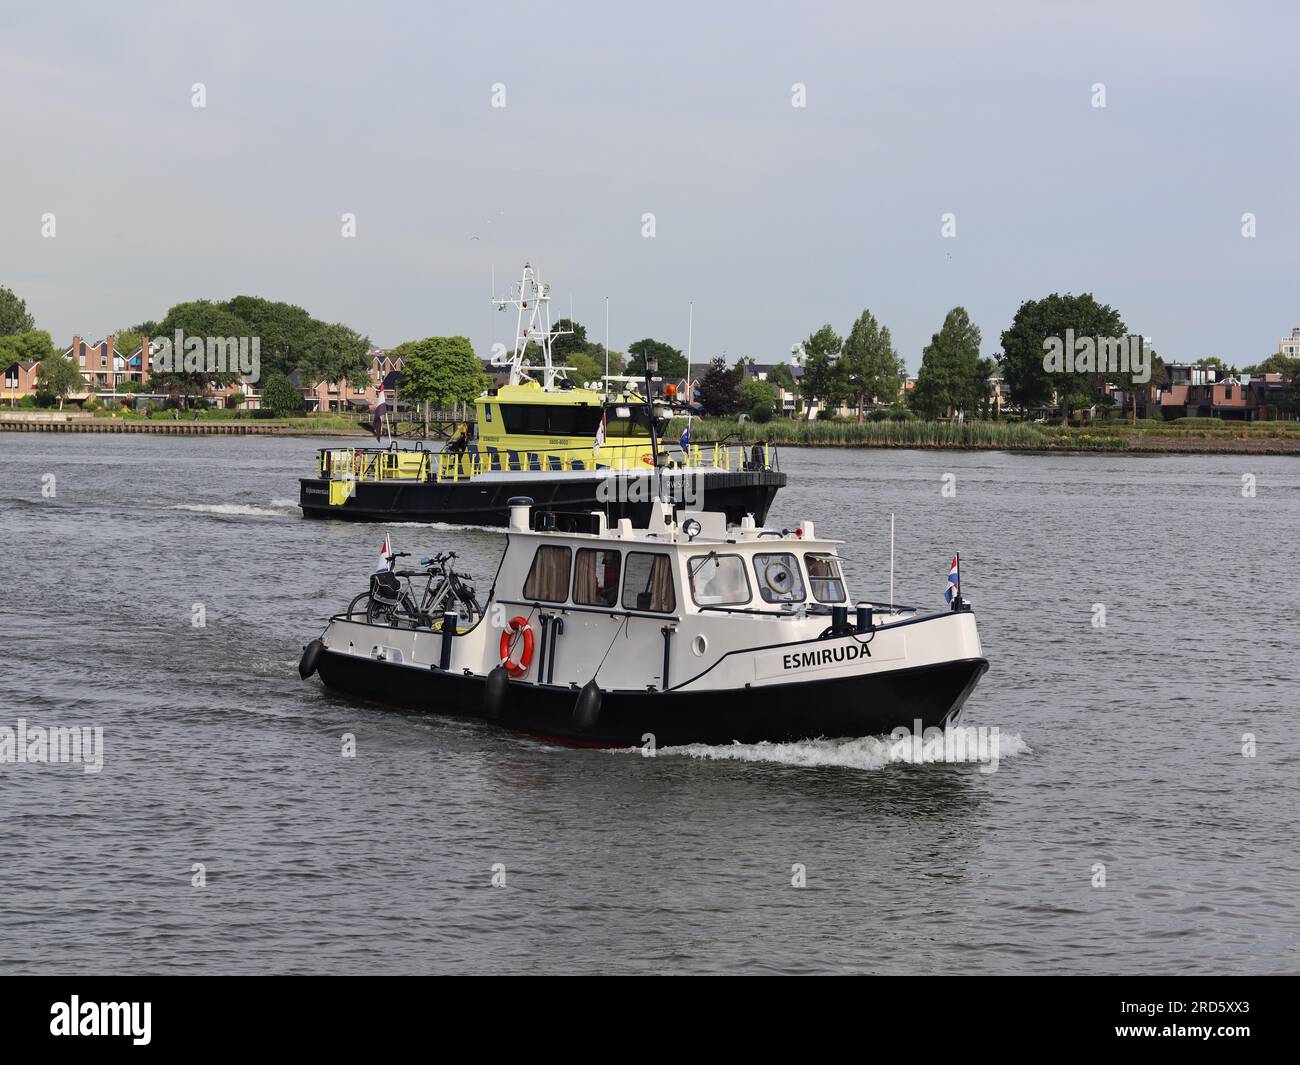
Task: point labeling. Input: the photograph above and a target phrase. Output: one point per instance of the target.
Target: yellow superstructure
(526, 429)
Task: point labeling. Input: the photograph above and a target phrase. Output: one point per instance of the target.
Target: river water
(165, 590)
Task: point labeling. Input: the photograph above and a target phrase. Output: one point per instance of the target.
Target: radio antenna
(690, 336)
(891, 563)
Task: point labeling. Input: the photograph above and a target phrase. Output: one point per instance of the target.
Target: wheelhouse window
(595, 579)
(627, 420)
(779, 580)
(542, 419)
(548, 577)
(824, 578)
(648, 585)
(718, 580)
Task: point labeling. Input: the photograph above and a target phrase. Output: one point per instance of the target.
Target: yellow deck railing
(361, 464)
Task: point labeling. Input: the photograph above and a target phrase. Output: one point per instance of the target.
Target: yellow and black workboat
(565, 446)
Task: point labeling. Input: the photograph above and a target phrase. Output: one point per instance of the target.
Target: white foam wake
(278, 508)
(864, 753)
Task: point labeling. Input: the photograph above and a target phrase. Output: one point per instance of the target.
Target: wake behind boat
(689, 629)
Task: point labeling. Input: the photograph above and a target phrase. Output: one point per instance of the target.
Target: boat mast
(532, 302)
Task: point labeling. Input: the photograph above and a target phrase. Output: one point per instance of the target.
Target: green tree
(672, 363)
(1022, 357)
(441, 371)
(820, 356)
(57, 376)
(338, 352)
(758, 399)
(33, 346)
(782, 376)
(280, 397)
(588, 366)
(870, 369)
(585, 357)
(1287, 366)
(952, 374)
(573, 342)
(13, 314)
(288, 336)
(197, 319)
(127, 340)
(719, 393)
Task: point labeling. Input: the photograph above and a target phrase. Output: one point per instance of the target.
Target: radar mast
(532, 302)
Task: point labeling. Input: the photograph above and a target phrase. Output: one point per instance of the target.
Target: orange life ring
(520, 625)
(648, 459)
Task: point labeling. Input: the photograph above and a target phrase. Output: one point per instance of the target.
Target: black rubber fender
(496, 689)
(310, 656)
(586, 711)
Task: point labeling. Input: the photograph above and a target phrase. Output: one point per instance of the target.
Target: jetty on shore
(45, 422)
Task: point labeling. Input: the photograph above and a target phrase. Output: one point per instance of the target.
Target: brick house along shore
(105, 370)
(1195, 391)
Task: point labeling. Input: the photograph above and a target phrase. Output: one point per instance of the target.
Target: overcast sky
(773, 218)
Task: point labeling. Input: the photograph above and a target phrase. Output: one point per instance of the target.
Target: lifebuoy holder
(517, 626)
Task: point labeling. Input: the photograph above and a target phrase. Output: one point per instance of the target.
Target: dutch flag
(953, 588)
(384, 552)
(685, 442)
(600, 433)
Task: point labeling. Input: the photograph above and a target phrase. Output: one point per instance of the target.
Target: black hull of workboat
(837, 707)
(487, 502)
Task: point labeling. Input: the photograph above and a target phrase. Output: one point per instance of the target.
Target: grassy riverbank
(164, 421)
(1192, 435)
(324, 423)
(1188, 435)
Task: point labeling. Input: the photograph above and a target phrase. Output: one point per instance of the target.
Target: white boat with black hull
(690, 630)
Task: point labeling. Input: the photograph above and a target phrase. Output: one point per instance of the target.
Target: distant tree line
(861, 369)
(289, 338)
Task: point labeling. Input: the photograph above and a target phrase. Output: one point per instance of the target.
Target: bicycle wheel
(404, 614)
(469, 604)
(353, 606)
(378, 613)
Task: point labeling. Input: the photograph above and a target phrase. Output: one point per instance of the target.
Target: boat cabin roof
(708, 565)
(666, 527)
(531, 392)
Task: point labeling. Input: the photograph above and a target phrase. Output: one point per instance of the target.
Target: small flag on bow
(953, 588)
